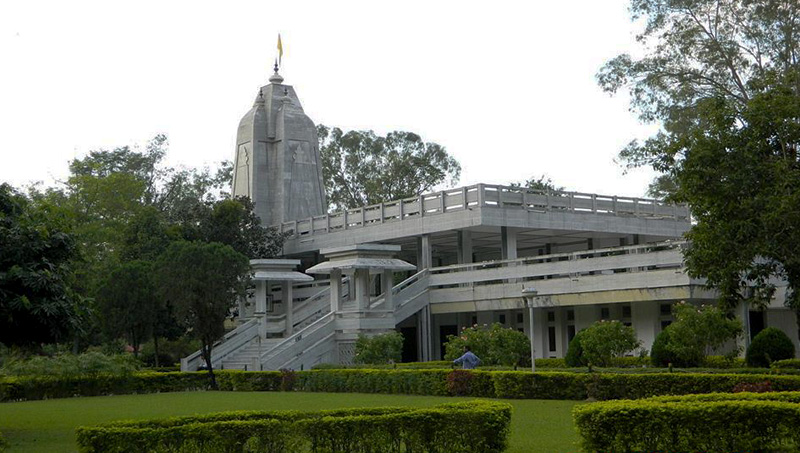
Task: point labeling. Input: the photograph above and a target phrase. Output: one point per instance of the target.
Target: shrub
(788, 364)
(753, 387)
(70, 365)
(382, 348)
(770, 344)
(458, 382)
(169, 351)
(494, 345)
(605, 340)
(708, 423)
(660, 355)
(698, 332)
(574, 357)
(437, 429)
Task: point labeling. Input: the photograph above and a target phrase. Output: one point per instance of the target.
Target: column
(289, 304)
(387, 283)
(336, 290)
(464, 251)
(361, 277)
(644, 317)
(508, 243)
(424, 252)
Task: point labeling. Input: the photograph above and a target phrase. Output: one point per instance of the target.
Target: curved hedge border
(708, 423)
(493, 384)
(474, 426)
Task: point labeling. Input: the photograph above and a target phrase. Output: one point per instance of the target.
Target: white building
(430, 265)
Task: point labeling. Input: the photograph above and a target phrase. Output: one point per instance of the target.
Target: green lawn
(48, 426)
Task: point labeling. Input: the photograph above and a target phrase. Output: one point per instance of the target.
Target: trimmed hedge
(389, 429)
(3, 443)
(788, 364)
(440, 382)
(709, 423)
(769, 345)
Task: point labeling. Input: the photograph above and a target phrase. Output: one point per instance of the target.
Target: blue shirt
(468, 360)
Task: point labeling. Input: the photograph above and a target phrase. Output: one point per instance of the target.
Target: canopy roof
(373, 264)
(286, 276)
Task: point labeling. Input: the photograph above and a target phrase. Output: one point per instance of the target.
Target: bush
(170, 352)
(605, 340)
(698, 332)
(378, 349)
(435, 382)
(788, 364)
(70, 365)
(494, 345)
(660, 355)
(437, 429)
(770, 344)
(574, 357)
(708, 423)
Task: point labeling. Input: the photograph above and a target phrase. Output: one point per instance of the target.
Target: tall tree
(722, 78)
(203, 282)
(36, 303)
(361, 168)
(129, 304)
(695, 50)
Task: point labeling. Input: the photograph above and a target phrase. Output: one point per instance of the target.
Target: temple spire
(276, 78)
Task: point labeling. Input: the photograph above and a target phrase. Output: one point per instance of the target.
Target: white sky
(506, 86)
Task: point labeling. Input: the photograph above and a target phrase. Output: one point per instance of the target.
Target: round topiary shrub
(660, 355)
(574, 357)
(769, 345)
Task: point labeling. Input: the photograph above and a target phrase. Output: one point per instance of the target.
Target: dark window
(664, 324)
(666, 309)
(551, 316)
(474, 320)
(519, 318)
(502, 319)
(626, 311)
(570, 333)
(605, 313)
(627, 324)
(551, 338)
(756, 323)
(518, 328)
(570, 315)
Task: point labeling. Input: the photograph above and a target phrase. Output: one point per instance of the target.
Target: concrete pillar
(336, 290)
(361, 277)
(261, 297)
(644, 318)
(464, 246)
(289, 304)
(387, 283)
(424, 329)
(424, 252)
(508, 243)
(561, 317)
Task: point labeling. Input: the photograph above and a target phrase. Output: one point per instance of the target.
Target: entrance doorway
(444, 332)
(409, 344)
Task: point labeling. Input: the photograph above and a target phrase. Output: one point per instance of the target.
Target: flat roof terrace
(486, 205)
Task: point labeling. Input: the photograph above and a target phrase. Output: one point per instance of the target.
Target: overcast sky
(507, 87)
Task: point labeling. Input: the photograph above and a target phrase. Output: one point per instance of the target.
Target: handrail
(582, 254)
(295, 337)
(229, 343)
(484, 196)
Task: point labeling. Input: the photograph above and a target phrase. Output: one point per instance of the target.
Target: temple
(547, 264)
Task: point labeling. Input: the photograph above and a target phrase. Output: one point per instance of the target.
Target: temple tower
(277, 160)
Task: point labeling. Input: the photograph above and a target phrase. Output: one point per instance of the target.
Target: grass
(539, 426)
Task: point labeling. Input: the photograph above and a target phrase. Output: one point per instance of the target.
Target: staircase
(314, 331)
